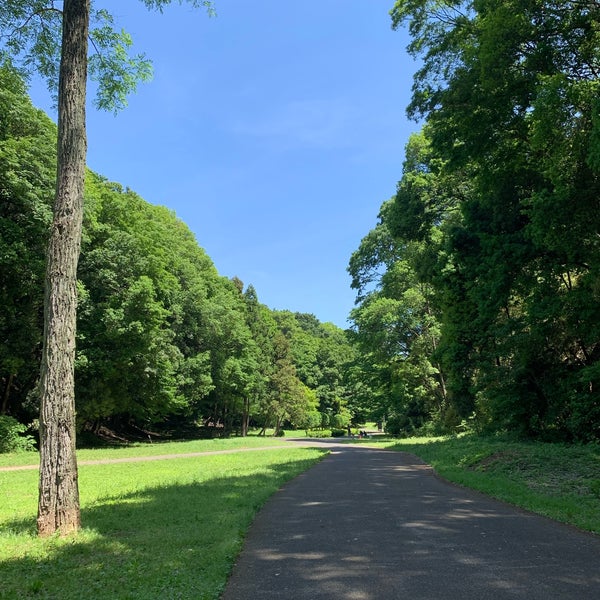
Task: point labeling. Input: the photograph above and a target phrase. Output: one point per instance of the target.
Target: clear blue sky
(275, 131)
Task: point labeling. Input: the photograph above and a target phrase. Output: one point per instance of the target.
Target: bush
(11, 438)
(338, 432)
(400, 425)
(319, 433)
(311, 420)
(342, 419)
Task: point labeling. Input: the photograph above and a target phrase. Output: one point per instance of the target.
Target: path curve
(366, 524)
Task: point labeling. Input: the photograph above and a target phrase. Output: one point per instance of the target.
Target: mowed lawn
(159, 529)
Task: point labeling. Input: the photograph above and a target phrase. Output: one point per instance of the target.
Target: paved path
(368, 524)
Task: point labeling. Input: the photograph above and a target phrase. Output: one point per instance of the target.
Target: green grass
(160, 529)
(558, 481)
(172, 529)
(145, 449)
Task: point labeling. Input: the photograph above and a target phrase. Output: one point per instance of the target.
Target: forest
(164, 343)
(478, 291)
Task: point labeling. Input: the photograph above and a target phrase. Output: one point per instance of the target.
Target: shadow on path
(368, 524)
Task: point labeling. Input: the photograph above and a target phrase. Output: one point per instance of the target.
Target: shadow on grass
(173, 541)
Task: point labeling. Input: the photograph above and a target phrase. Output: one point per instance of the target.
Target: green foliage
(160, 4)
(116, 72)
(481, 276)
(162, 339)
(30, 32)
(341, 419)
(311, 421)
(319, 433)
(321, 354)
(137, 263)
(27, 181)
(396, 323)
(12, 438)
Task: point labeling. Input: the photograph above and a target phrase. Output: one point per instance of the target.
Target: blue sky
(274, 131)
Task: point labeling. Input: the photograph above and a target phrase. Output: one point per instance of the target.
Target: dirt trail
(299, 442)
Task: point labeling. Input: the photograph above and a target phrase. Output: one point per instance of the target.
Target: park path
(366, 524)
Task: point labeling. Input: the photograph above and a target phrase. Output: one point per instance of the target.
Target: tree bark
(6, 396)
(58, 507)
(246, 417)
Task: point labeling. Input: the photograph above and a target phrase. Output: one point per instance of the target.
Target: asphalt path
(366, 524)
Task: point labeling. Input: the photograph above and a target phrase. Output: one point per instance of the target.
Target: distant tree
(263, 329)
(321, 353)
(287, 397)
(310, 421)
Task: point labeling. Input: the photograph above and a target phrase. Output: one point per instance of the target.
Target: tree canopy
(53, 42)
(497, 217)
(164, 343)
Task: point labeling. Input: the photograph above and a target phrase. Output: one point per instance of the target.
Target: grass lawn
(146, 449)
(172, 529)
(555, 480)
(161, 529)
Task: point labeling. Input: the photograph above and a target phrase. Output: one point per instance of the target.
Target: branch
(37, 13)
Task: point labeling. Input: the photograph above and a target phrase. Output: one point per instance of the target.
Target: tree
(289, 398)
(58, 508)
(321, 353)
(509, 90)
(27, 172)
(144, 285)
(263, 328)
(30, 28)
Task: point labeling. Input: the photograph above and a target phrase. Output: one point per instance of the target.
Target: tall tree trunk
(246, 417)
(58, 508)
(277, 426)
(6, 396)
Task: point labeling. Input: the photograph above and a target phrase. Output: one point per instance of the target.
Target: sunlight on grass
(147, 449)
(160, 529)
(172, 528)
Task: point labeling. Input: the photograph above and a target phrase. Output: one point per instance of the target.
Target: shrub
(319, 433)
(338, 432)
(341, 419)
(11, 438)
(310, 421)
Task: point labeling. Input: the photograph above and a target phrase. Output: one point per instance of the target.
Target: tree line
(478, 294)
(163, 341)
